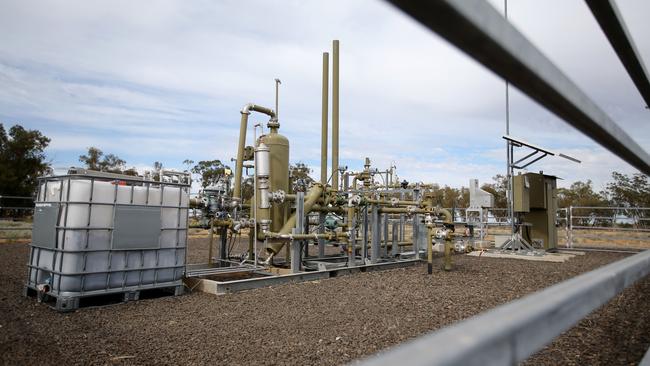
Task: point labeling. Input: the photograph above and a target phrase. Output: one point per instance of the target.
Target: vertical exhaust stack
(335, 115)
(324, 129)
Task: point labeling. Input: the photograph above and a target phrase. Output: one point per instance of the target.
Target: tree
(112, 164)
(96, 160)
(299, 175)
(580, 194)
(449, 197)
(629, 191)
(92, 159)
(22, 160)
(498, 190)
(188, 163)
(211, 171)
(157, 168)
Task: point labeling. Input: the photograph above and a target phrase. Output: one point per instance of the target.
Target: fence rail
(512, 332)
(617, 226)
(15, 217)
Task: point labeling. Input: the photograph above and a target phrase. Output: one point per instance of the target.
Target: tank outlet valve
(43, 288)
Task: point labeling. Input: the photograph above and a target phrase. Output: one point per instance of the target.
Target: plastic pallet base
(72, 303)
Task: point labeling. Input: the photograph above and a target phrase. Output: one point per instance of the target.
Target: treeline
(22, 161)
(622, 191)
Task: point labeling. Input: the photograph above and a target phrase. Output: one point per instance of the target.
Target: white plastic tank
(94, 234)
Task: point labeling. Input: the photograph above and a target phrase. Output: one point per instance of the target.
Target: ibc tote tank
(97, 233)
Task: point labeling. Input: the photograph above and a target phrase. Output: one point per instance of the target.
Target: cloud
(165, 81)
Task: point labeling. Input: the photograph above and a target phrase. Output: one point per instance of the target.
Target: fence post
(569, 230)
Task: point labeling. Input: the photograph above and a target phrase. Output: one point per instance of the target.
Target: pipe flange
(277, 196)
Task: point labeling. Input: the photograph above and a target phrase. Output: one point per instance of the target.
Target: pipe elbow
(246, 109)
(252, 107)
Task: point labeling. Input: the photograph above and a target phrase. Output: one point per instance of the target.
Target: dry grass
(10, 234)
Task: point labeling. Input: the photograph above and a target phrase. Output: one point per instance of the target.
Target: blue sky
(165, 80)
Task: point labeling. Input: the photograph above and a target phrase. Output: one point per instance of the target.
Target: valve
(354, 200)
(331, 222)
(277, 196)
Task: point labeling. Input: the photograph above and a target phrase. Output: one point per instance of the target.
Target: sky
(165, 80)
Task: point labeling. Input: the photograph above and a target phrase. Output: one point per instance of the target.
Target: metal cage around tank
(100, 233)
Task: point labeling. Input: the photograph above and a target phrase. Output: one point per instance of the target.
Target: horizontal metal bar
(76, 274)
(16, 208)
(594, 217)
(605, 228)
(113, 204)
(140, 287)
(137, 182)
(17, 197)
(479, 30)
(512, 332)
(252, 283)
(611, 22)
(610, 208)
(645, 361)
(59, 250)
(91, 228)
(586, 248)
(577, 236)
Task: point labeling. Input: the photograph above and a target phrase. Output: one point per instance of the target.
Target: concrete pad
(548, 257)
(574, 252)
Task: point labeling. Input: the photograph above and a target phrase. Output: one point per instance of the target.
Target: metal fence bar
(512, 332)
(645, 361)
(479, 30)
(611, 22)
(613, 208)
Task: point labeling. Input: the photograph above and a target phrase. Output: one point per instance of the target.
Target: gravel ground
(323, 322)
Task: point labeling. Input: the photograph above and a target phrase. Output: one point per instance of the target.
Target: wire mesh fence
(608, 226)
(16, 213)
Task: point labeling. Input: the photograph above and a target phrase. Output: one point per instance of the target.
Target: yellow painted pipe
(324, 117)
(243, 126)
(310, 200)
(335, 115)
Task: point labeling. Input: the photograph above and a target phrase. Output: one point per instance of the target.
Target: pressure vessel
(279, 173)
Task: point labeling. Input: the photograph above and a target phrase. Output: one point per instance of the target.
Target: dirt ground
(326, 322)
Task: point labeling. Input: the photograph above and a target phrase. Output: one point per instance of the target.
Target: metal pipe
(310, 200)
(430, 248)
(245, 111)
(335, 115)
(324, 117)
(210, 241)
(277, 87)
(316, 236)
